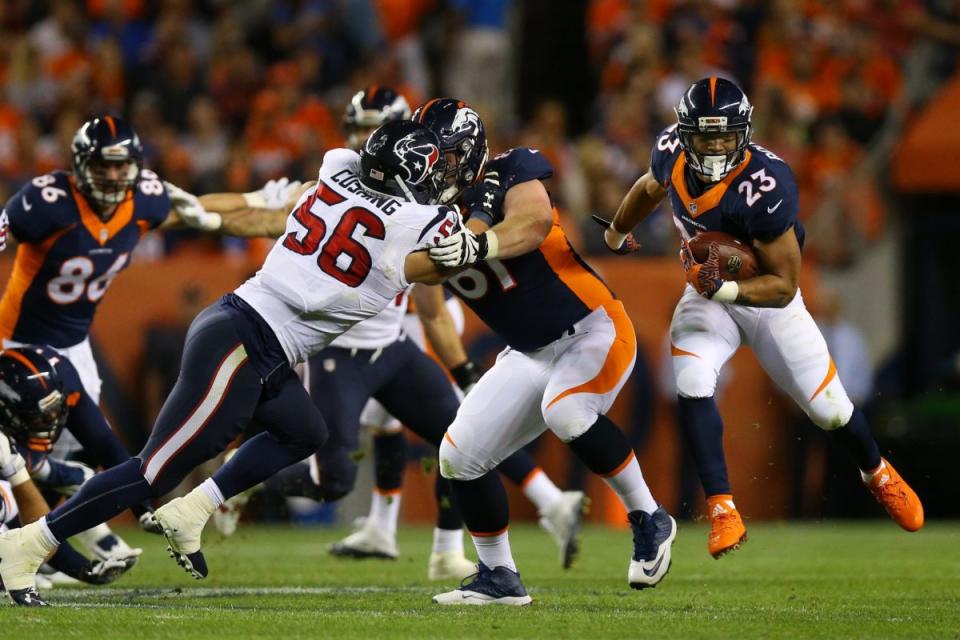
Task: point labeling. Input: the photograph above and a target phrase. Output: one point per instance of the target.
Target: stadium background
(857, 95)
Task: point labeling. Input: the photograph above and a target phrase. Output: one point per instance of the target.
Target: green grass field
(822, 580)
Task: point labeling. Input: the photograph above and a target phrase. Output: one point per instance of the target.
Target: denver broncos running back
(718, 180)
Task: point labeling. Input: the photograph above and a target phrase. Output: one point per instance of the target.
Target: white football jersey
(381, 330)
(341, 259)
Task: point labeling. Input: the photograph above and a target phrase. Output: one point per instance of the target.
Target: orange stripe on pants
(622, 351)
(831, 374)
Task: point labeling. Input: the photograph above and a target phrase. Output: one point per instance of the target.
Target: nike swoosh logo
(653, 571)
(774, 207)
(26, 205)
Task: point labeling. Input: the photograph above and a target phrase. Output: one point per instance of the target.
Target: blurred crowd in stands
(226, 95)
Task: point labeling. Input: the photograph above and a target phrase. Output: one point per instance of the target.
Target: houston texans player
(240, 352)
(571, 348)
(718, 180)
(380, 358)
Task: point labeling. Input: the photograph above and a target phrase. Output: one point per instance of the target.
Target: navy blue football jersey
(531, 300)
(67, 256)
(757, 200)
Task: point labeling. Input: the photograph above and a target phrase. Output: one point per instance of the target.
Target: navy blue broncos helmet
(402, 158)
(461, 132)
(713, 105)
(98, 143)
(370, 108)
(33, 407)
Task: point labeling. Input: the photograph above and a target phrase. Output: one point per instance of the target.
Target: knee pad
(830, 413)
(569, 420)
(456, 465)
(696, 381)
(337, 476)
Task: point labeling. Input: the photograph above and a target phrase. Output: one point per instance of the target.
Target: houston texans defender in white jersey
(717, 180)
(352, 245)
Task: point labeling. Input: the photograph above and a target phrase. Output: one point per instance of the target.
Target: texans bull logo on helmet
(417, 158)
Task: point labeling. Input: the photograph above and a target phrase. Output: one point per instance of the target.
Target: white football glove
(277, 193)
(13, 467)
(190, 210)
(464, 247)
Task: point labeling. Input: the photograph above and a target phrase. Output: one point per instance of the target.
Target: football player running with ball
(717, 180)
(571, 348)
(353, 243)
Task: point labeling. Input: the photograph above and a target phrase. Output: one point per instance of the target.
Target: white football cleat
(183, 520)
(227, 516)
(562, 521)
(366, 542)
(450, 565)
(22, 551)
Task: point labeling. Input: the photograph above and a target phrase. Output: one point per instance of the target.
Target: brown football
(737, 259)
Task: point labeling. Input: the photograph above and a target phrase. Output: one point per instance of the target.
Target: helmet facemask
(459, 176)
(714, 166)
(104, 190)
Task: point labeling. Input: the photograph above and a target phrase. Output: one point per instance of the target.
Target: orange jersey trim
(101, 231)
(831, 374)
(26, 265)
(620, 356)
(711, 198)
(563, 261)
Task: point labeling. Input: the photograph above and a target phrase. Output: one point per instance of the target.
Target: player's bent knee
(456, 465)
(830, 415)
(696, 382)
(568, 425)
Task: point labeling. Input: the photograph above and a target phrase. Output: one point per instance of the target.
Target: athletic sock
(385, 511)
(212, 491)
(702, 429)
(855, 437)
(628, 483)
(494, 550)
(446, 540)
(540, 490)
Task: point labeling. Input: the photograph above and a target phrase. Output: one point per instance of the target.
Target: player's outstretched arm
(418, 267)
(438, 325)
(643, 197)
(779, 261)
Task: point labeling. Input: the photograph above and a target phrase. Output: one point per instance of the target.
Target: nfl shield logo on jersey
(692, 207)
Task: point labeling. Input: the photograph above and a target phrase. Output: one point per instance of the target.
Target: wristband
(727, 292)
(214, 221)
(493, 245)
(614, 238)
(466, 374)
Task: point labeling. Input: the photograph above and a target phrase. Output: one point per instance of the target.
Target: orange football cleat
(727, 532)
(896, 496)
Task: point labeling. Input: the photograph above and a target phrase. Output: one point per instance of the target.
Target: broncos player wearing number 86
(76, 231)
(718, 180)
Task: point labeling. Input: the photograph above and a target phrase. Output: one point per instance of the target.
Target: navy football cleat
(488, 586)
(653, 536)
(27, 598)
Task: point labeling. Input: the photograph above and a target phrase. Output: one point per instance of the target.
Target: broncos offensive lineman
(571, 348)
(382, 358)
(348, 252)
(718, 180)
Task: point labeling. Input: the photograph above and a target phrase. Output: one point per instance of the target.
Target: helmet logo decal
(465, 120)
(416, 157)
(682, 108)
(745, 107)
